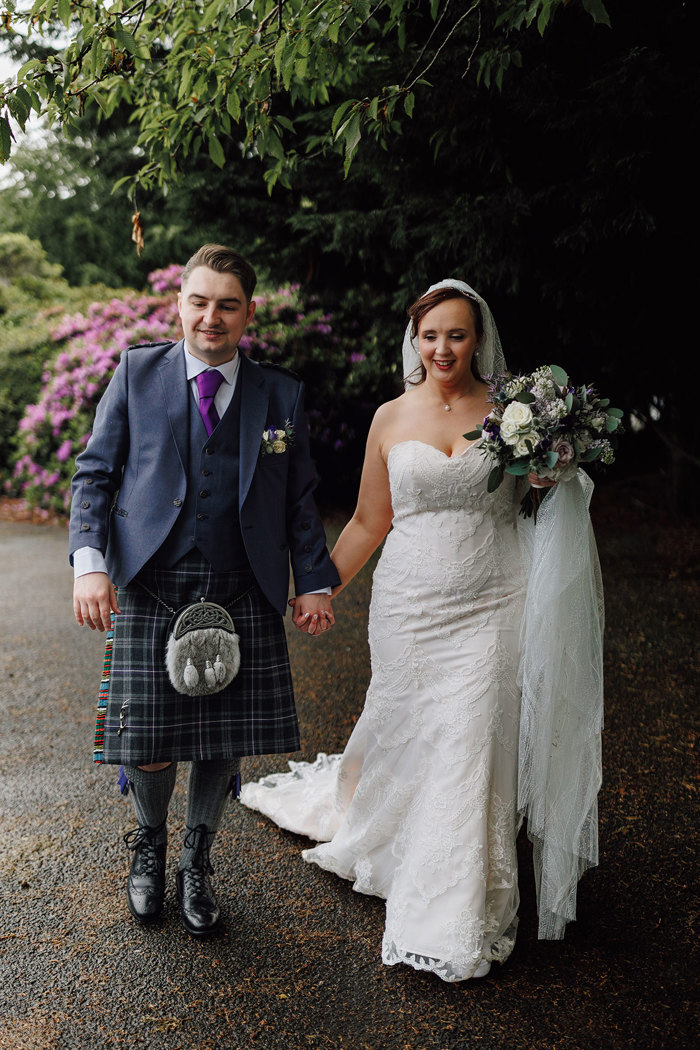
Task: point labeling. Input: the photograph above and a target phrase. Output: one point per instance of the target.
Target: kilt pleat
(254, 715)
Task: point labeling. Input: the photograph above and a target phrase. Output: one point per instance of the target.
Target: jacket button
(85, 527)
(307, 548)
(207, 473)
(209, 451)
(283, 546)
(85, 504)
(202, 517)
(306, 525)
(308, 567)
(204, 493)
(177, 502)
(88, 481)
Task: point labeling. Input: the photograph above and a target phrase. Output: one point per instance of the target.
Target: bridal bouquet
(544, 425)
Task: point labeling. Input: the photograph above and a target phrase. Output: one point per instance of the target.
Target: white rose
(521, 448)
(518, 415)
(509, 432)
(279, 446)
(280, 434)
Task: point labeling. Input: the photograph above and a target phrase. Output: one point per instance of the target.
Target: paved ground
(298, 962)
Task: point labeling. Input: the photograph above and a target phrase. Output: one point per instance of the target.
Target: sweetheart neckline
(426, 444)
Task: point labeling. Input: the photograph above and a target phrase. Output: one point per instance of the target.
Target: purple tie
(207, 384)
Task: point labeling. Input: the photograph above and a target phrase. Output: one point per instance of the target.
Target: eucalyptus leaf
(617, 412)
(559, 375)
(495, 479)
(518, 469)
(569, 402)
(525, 397)
(474, 435)
(611, 423)
(552, 459)
(590, 455)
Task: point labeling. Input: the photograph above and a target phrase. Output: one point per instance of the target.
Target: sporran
(202, 655)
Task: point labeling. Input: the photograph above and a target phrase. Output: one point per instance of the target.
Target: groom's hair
(223, 260)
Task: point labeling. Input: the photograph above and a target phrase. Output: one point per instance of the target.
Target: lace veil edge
(561, 677)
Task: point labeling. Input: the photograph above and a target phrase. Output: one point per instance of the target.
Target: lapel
(176, 394)
(254, 402)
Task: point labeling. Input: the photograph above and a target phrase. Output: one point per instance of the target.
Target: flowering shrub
(55, 429)
(342, 381)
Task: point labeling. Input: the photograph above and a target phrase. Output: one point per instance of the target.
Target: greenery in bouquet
(543, 424)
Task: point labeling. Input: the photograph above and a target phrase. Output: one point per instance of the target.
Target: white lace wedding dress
(421, 807)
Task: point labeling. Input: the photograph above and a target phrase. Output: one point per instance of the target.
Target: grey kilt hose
(148, 721)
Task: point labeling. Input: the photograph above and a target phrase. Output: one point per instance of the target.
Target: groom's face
(214, 314)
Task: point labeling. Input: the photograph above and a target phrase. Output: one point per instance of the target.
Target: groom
(176, 499)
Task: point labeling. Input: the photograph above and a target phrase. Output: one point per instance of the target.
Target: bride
(422, 807)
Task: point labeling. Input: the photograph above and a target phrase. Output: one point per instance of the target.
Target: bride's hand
(540, 483)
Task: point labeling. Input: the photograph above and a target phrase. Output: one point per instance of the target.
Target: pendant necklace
(448, 407)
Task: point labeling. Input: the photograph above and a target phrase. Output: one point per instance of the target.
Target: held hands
(312, 613)
(94, 598)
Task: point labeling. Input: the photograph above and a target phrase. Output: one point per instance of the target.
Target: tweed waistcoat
(209, 519)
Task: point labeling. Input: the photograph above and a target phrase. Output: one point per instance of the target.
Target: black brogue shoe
(198, 907)
(145, 887)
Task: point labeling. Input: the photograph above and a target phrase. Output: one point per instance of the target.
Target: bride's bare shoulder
(392, 411)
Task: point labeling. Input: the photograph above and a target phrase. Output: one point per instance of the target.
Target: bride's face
(447, 341)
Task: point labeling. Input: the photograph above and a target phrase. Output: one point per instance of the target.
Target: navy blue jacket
(130, 481)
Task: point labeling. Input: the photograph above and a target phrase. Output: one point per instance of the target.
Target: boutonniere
(277, 439)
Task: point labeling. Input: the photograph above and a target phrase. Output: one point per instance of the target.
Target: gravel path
(297, 963)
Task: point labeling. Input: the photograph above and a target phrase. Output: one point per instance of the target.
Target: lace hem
(447, 971)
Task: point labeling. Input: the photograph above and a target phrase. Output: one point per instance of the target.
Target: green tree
(196, 75)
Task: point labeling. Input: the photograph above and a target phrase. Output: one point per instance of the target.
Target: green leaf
(611, 423)
(373, 108)
(233, 105)
(408, 103)
(216, 151)
(495, 479)
(121, 182)
(27, 68)
(569, 401)
(126, 40)
(617, 412)
(5, 138)
(279, 51)
(596, 9)
(552, 459)
(559, 375)
(352, 134)
(473, 435)
(285, 122)
(333, 29)
(525, 397)
(65, 13)
(340, 113)
(518, 469)
(604, 402)
(590, 455)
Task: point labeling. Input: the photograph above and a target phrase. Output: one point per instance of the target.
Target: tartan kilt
(253, 715)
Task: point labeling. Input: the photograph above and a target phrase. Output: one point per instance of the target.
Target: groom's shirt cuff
(88, 559)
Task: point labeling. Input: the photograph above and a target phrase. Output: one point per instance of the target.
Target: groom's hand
(313, 613)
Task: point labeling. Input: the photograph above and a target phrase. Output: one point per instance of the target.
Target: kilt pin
(139, 498)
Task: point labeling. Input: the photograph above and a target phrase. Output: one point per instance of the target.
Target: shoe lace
(197, 839)
(143, 839)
